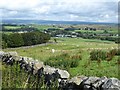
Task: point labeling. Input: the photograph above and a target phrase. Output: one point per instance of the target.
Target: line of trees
(22, 28)
(24, 39)
(96, 36)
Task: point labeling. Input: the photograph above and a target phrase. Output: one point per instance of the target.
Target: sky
(60, 10)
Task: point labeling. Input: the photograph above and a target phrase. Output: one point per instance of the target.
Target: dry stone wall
(64, 81)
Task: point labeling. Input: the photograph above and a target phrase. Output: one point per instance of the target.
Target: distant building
(73, 36)
(60, 35)
(22, 31)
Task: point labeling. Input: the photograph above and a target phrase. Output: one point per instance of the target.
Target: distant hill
(19, 21)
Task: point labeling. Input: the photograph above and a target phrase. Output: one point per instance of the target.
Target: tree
(14, 40)
(25, 39)
(55, 40)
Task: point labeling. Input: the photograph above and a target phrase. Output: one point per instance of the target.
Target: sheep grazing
(47, 48)
(53, 50)
(112, 47)
(77, 45)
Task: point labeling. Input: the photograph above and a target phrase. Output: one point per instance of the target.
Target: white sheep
(53, 50)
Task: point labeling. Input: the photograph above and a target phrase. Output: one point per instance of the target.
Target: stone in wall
(51, 73)
(111, 84)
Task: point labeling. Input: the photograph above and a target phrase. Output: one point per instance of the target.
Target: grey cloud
(55, 10)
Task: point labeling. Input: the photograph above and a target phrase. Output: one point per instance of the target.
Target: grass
(109, 69)
(88, 31)
(42, 27)
(63, 45)
(74, 46)
(110, 29)
(0, 66)
(12, 27)
(98, 31)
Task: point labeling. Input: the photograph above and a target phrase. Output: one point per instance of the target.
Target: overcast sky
(60, 10)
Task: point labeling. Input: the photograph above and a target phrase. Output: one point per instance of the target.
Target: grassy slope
(0, 65)
(110, 29)
(65, 44)
(72, 46)
(42, 27)
(12, 27)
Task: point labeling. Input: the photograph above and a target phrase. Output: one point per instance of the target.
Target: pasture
(42, 27)
(0, 66)
(74, 46)
(12, 27)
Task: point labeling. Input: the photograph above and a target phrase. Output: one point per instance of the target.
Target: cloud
(72, 10)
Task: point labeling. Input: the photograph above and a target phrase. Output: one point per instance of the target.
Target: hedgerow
(24, 39)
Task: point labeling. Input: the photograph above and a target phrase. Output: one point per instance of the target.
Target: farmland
(82, 50)
(75, 46)
(60, 45)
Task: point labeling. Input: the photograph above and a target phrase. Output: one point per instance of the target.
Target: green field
(42, 27)
(0, 66)
(12, 27)
(100, 29)
(74, 46)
